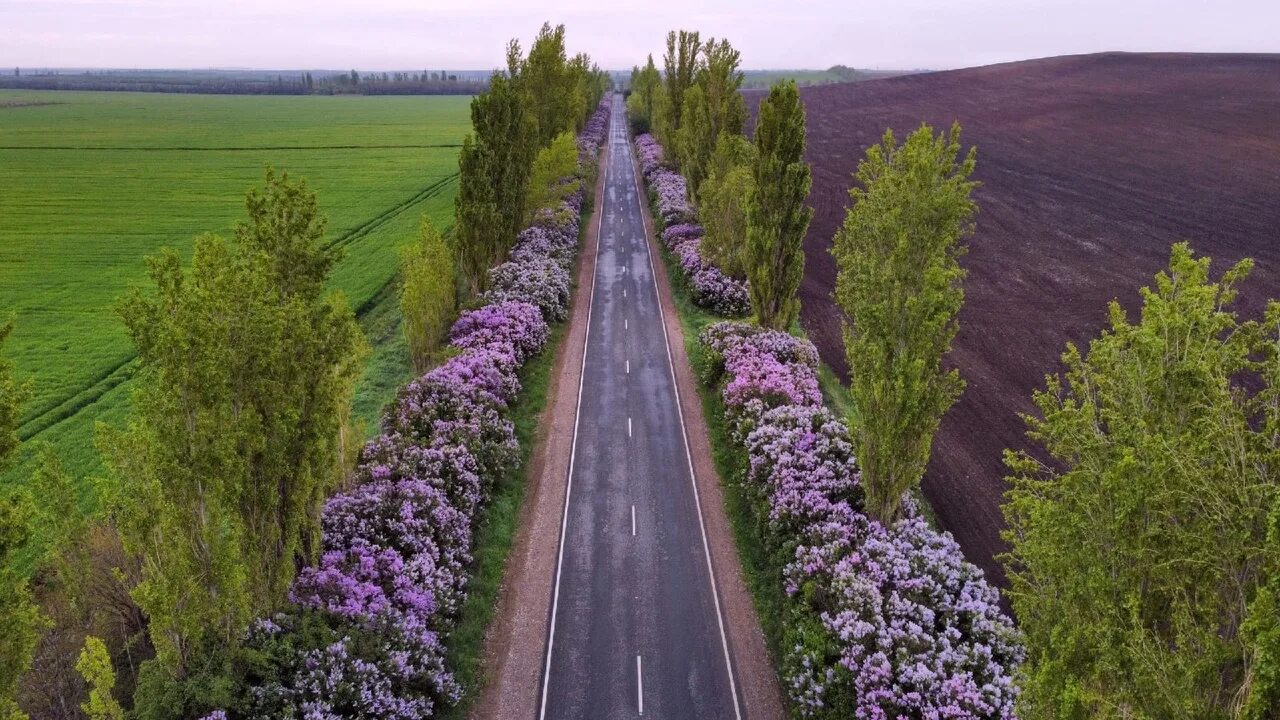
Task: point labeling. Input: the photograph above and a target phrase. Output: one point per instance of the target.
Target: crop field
(92, 183)
(1091, 168)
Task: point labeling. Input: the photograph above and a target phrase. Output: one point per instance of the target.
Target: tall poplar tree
(691, 138)
(712, 106)
(723, 202)
(428, 295)
(680, 63)
(478, 223)
(493, 170)
(550, 86)
(898, 282)
(646, 84)
(246, 370)
(777, 216)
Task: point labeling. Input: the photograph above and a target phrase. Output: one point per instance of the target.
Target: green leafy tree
(646, 84)
(777, 216)
(428, 296)
(712, 106)
(723, 202)
(94, 665)
(494, 167)
(246, 369)
(547, 180)
(478, 226)
(286, 226)
(20, 619)
(898, 282)
(551, 87)
(721, 81)
(690, 140)
(680, 63)
(65, 526)
(590, 84)
(1139, 551)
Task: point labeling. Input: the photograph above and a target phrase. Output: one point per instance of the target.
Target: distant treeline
(241, 82)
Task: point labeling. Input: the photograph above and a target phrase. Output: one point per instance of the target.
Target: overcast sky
(470, 34)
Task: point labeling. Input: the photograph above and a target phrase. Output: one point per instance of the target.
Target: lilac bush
(918, 629)
(381, 666)
(593, 133)
(433, 410)
(518, 324)
(710, 287)
(884, 622)
(758, 382)
(801, 463)
(649, 153)
(537, 281)
(545, 239)
(720, 293)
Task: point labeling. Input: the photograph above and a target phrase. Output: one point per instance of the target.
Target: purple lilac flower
(538, 281)
(890, 622)
(519, 324)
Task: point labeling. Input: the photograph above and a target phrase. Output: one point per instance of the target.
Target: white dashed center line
(639, 686)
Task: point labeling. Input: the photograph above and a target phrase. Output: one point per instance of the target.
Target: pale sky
(471, 34)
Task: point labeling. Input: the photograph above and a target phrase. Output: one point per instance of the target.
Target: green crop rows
(91, 183)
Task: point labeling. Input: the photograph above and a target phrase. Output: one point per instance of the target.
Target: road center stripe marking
(639, 686)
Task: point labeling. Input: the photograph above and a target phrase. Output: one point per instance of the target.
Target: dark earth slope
(1091, 167)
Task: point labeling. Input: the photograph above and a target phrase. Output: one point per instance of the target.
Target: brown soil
(1091, 167)
(516, 642)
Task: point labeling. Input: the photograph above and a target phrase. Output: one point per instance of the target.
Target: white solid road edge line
(684, 433)
(639, 686)
(573, 451)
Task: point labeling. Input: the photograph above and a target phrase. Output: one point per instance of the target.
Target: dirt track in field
(1092, 166)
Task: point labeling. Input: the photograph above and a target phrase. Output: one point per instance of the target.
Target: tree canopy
(777, 216)
(899, 284)
(1143, 546)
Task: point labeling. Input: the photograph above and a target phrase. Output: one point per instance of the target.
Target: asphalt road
(636, 628)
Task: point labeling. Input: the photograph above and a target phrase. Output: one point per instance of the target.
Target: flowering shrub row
(366, 636)
(883, 622)
(710, 287)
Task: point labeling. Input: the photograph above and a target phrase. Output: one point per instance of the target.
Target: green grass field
(91, 183)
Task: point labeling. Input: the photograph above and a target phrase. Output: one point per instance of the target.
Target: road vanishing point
(636, 626)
